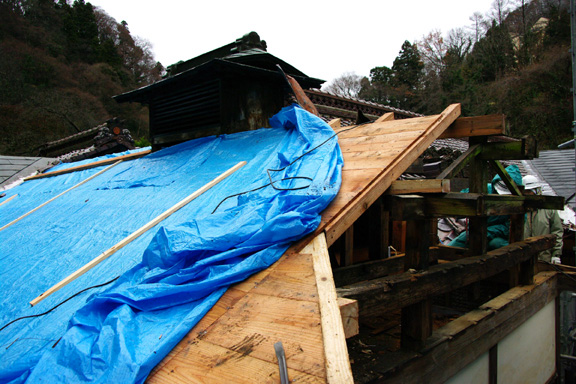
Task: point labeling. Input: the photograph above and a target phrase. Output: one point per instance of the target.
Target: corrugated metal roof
(13, 168)
(556, 168)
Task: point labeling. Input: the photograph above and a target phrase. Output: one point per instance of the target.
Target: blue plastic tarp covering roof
(174, 273)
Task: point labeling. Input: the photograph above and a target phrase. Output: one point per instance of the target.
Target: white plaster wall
(528, 354)
(474, 373)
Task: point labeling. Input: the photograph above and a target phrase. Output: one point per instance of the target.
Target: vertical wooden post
(478, 184)
(417, 318)
(525, 270)
(378, 231)
(347, 257)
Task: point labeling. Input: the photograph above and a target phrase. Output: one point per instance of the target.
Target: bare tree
(500, 9)
(479, 25)
(347, 85)
(432, 50)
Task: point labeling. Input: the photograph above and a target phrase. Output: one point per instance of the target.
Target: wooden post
(347, 257)
(478, 225)
(378, 230)
(417, 318)
(127, 240)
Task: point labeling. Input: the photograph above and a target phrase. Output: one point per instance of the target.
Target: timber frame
(404, 216)
(313, 297)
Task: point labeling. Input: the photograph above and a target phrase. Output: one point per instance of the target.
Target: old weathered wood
(384, 294)
(478, 234)
(503, 173)
(378, 231)
(476, 126)
(338, 369)
(60, 194)
(417, 318)
(404, 207)
(462, 160)
(368, 270)
(348, 247)
(465, 339)
(400, 187)
(524, 149)
(128, 239)
(99, 163)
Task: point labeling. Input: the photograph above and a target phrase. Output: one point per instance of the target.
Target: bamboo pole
(57, 196)
(127, 240)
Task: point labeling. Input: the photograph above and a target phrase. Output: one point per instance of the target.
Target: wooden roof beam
(398, 291)
(472, 335)
(488, 125)
(413, 207)
(524, 149)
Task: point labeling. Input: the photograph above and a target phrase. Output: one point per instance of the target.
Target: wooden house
(344, 274)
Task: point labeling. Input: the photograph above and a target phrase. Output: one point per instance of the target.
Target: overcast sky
(323, 39)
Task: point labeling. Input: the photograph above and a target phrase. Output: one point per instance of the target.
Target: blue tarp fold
(169, 277)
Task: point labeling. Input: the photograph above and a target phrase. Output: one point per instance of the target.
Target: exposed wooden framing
(465, 339)
(368, 271)
(448, 253)
(131, 156)
(8, 199)
(60, 194)
(476, 126)
(399, 291)
(462, 160)
(400, 187)
(478, 234)
(378, 231)
(347, 255)
(338, 368)
(134, 235)
(405, 207)
(417, 317)
(344, 218)
(503, 173)
(524, 149)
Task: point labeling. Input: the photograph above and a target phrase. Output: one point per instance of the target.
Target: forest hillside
(513, 60)
(60, 64)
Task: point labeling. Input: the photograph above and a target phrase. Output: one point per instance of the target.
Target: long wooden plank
(465, 339)
(127, 240)
(60, 194)
(338, 369)
(398, 291)
(435, 126)
(8, 199)
(95, 164)
(476, 126)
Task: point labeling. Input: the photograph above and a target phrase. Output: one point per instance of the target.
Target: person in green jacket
(543, 222)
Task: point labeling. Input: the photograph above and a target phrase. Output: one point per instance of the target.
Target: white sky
(323, 39)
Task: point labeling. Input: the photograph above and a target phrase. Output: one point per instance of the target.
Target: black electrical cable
(56, 306)
(289, 178)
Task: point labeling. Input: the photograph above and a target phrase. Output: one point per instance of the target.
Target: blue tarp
(170, 276)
